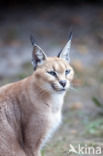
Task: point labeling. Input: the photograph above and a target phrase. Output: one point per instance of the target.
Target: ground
(83, 106)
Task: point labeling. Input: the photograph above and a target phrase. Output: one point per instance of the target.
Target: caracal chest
(56, 108)
(55, 116)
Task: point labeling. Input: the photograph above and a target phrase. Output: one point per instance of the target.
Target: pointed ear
(64, 53)
(38, 55)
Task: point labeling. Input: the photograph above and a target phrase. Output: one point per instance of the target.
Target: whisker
(74, 89)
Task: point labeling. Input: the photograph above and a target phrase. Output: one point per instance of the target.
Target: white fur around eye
(50, 77)
(67, 72)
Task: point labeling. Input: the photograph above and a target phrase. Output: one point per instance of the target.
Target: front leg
(35, 152)
(34, 135)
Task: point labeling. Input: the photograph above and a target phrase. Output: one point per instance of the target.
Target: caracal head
(52, 73)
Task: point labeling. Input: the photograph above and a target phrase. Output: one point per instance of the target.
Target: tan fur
(30, 108)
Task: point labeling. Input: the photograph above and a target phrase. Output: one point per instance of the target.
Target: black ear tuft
(33, 41)
(70, 35)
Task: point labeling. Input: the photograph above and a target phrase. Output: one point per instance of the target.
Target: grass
(42, 153)
(95, 127)
(97, 102)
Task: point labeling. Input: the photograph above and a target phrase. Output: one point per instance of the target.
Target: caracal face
(53, 73)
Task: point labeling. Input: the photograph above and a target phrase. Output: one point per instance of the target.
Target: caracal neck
(57, 101)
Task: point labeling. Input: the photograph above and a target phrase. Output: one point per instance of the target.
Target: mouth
(62, 89)
(58, 89)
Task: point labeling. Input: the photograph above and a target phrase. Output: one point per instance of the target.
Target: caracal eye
(67, 71)
(53, 73)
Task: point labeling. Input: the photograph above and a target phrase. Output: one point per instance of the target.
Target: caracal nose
(63, 83)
